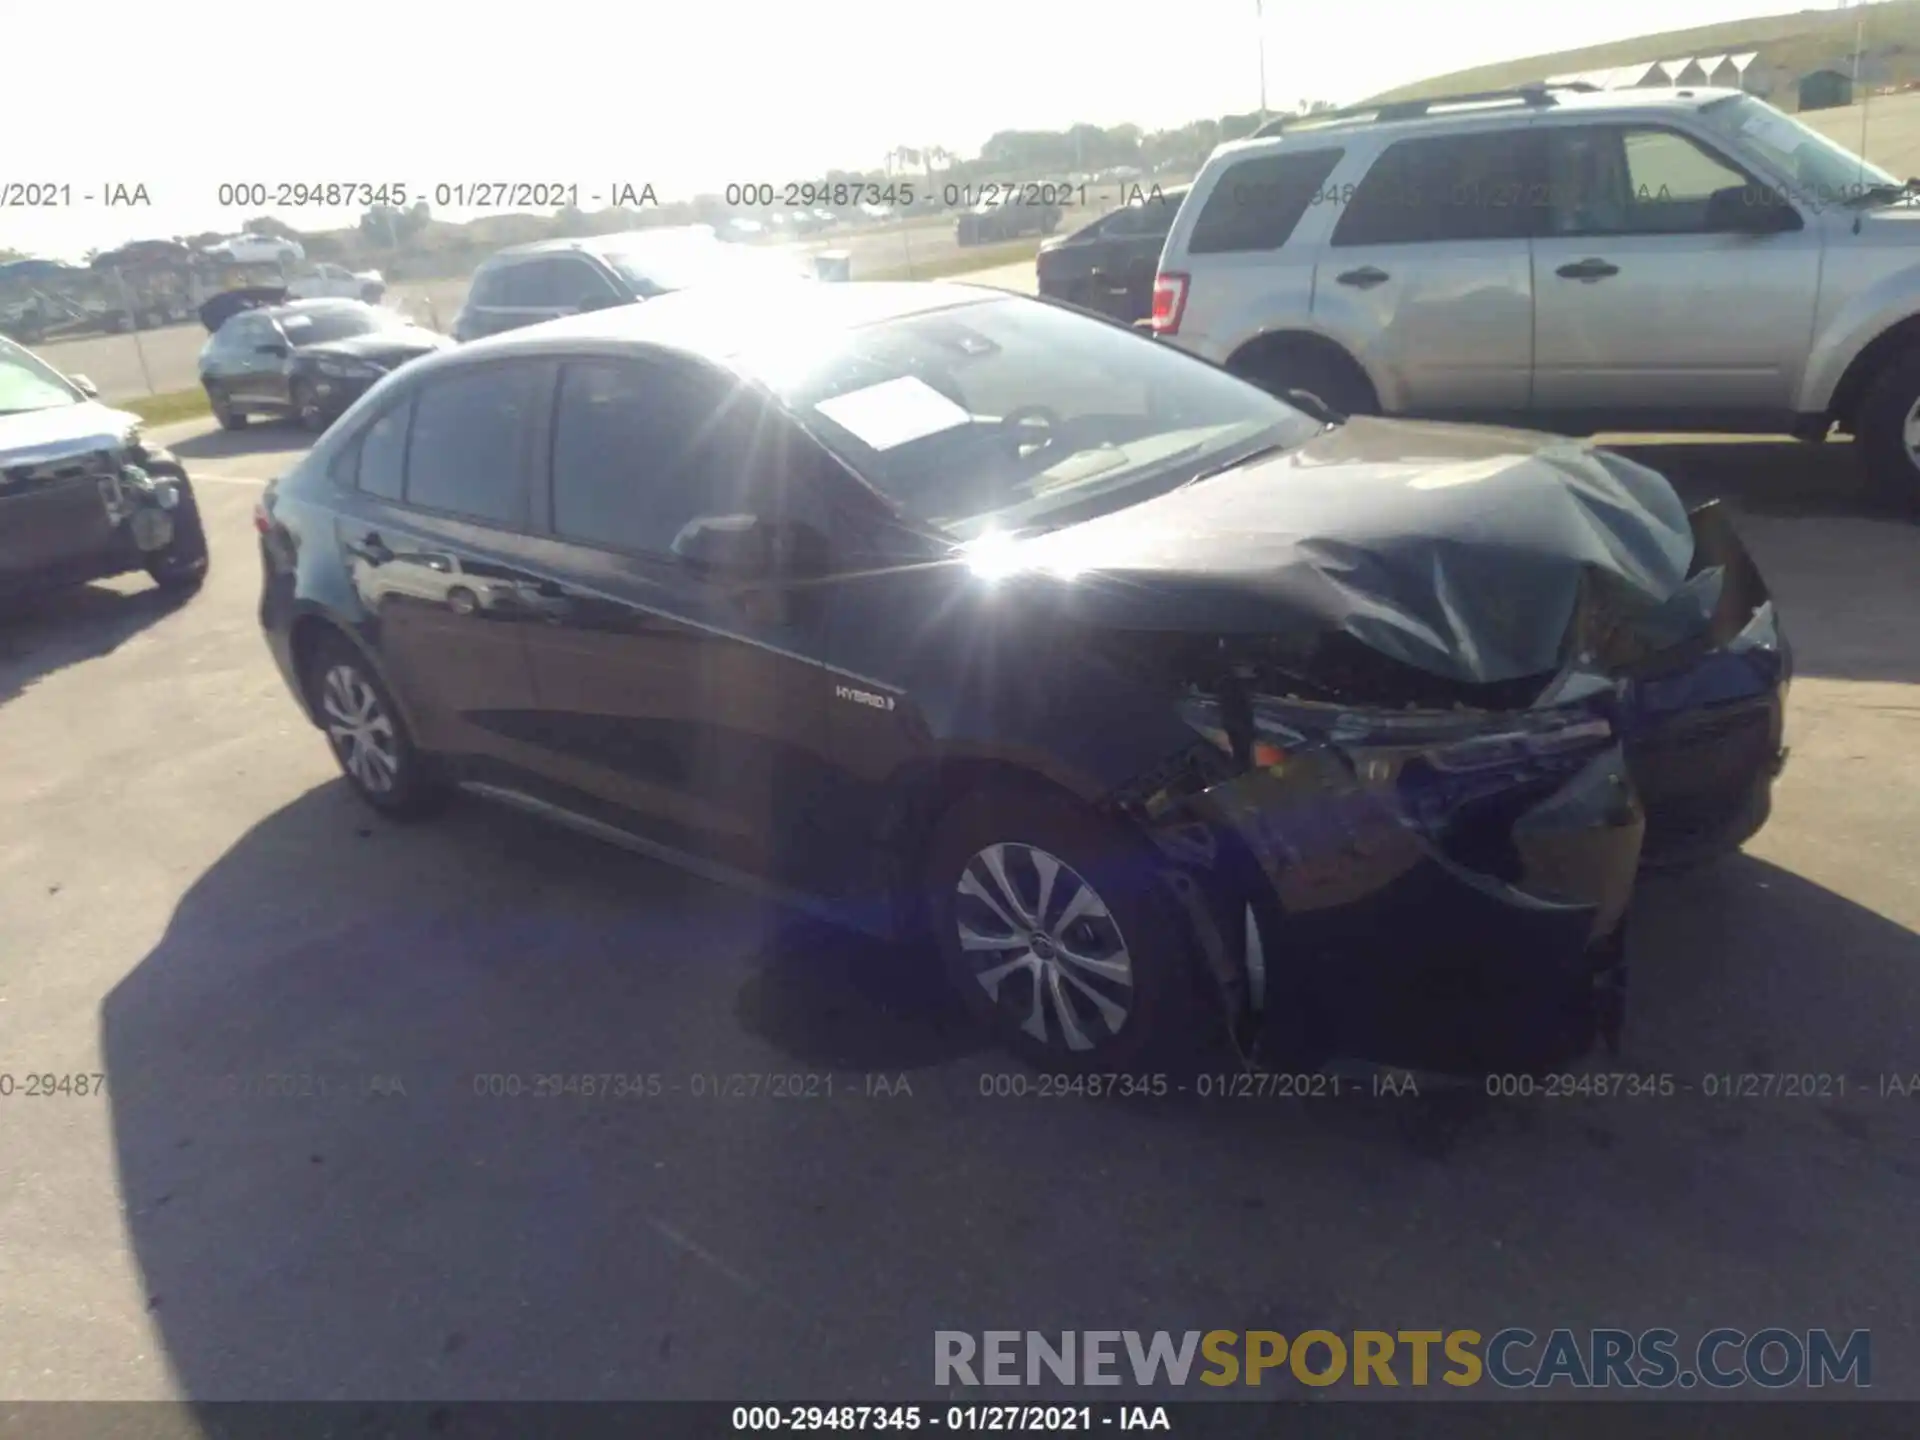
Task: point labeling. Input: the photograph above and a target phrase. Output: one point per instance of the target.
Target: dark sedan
(82, 494)
(308, 359)
(955, 614)
(1109, 265)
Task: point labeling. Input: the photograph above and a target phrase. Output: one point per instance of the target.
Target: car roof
(719, 322)
(322, 305)
(625, 240)
(1445, 117)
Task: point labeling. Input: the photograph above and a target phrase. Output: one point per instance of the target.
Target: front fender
(1855, 326)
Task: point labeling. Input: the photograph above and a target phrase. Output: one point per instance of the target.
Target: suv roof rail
(1379, 110)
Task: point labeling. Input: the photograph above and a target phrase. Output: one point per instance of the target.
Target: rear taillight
(262, 517)
(1169, 301)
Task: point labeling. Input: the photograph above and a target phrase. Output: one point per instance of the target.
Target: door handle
(372, 549)
(1365, 278)
(1589, 269)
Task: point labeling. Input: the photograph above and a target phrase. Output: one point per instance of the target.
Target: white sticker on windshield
(295, 322)
(893, 412)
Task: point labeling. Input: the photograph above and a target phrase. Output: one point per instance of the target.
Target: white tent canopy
(1741, 62)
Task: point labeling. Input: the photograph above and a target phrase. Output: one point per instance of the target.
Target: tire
(307, 409)
(181, 569)
(223, 411)
(388, 771)
(1332, 383)
(1128, 928)
(1883, 433)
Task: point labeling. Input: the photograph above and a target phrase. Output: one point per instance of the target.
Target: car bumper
(1337, 928)
(336, 394)
(1705, 730)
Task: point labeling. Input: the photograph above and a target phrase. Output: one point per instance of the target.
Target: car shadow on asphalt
(261, 437)
(483, 1109)
(42, 633)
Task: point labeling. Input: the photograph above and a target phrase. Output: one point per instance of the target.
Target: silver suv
(1565, 259)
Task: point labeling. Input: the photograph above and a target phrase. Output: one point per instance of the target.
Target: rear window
(1256, 203)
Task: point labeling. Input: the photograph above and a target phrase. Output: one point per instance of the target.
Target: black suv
(1109, 265)
(527, 284)
(945, 611)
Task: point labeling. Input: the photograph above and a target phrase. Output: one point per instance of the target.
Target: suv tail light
(1169, 301)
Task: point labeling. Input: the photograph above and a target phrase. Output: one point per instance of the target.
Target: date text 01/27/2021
(994, 1418)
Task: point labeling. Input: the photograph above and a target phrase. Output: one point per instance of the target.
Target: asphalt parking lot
(191, 904)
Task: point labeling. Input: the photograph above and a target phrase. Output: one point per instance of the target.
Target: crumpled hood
(53, 434)
(1462, 550)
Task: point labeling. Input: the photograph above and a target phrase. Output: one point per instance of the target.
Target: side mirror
(1750, 210)
(85, 386)
(600, 301)
(726, 546)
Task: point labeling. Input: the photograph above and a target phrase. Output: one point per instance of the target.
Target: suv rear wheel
(1053, 928)
(1888, 431)
(1334, 382)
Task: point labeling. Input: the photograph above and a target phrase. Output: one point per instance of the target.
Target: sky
(687, 97)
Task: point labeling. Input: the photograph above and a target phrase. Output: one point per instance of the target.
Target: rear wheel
(1053, 927)
(1888, 431)
(369, 737)
(1335, 382)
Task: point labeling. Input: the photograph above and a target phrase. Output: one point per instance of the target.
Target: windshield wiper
(1247, 457)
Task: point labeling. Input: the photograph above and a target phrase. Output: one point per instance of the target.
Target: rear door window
(1483, 186)
(382, 453)
(1256, 203)
(467, 450)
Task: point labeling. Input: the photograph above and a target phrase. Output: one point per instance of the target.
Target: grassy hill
(1807, 40)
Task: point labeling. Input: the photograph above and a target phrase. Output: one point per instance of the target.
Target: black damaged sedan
(1152, 701)
(306, 359)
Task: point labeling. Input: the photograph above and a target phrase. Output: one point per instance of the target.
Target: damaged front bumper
(1446, 888)
(1366, 905)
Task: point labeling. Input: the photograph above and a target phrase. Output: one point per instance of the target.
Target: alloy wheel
(360, 729)
(1910, 434)
(1044, 946)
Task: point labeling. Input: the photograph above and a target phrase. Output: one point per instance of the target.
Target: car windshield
(28, 383)
(684, 264)
(1823, 170)
(1006, 415)
(318, 327)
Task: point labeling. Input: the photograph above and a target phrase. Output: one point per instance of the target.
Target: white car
(258, 250)
(324, 281)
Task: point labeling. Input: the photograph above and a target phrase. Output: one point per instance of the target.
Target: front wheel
(181, 569)
(308, 409)
(368, 735)
(1888, 432)
(223, 411)
(1053, 926)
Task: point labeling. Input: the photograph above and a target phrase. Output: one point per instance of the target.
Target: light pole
(1260, 39)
